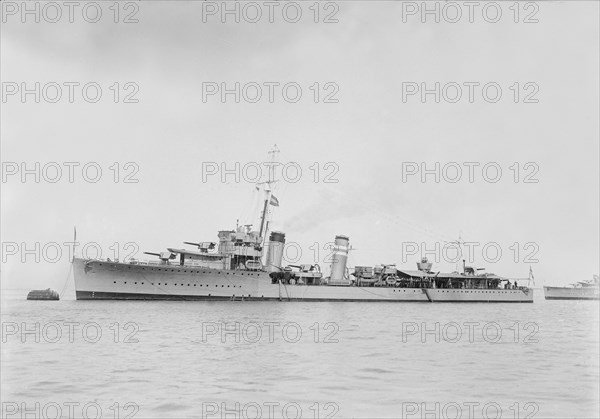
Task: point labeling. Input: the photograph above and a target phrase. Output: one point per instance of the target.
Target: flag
(274, 201)
(531, 277)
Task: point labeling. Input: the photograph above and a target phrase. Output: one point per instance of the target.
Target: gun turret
(164, 256)
(203, 246)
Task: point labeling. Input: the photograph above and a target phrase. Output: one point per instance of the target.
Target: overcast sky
(370, 134)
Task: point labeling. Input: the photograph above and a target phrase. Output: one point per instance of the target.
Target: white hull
(564, 293)
(480, 295)
(100, 280)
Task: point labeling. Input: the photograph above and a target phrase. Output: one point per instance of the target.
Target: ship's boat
(46, 294)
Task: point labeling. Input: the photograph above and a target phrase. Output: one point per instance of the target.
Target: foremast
(270, 199)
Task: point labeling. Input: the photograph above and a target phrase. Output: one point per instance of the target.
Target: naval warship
(582, 290)
(244, 266)
(234, 271)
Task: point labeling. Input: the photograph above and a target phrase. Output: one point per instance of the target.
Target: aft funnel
(275, 251)
(338, 264)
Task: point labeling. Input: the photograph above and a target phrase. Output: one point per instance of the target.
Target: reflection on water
(189, 359)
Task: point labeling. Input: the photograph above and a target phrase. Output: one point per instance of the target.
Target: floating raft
(46, 294)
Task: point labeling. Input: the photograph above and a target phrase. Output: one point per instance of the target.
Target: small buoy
(46, 294)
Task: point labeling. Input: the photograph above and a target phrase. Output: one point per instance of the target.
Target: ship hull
(479, 295)
(100, 280)
(92, 295)
(564, 293)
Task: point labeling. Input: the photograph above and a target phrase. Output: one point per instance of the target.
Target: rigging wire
(62, 293)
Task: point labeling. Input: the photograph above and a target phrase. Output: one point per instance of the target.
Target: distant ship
(583, 290)
(233, 269)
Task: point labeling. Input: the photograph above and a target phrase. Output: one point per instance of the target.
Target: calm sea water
(270, 359)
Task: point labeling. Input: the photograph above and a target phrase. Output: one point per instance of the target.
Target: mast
(264, 216)
(460, 242)
(270, 179)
